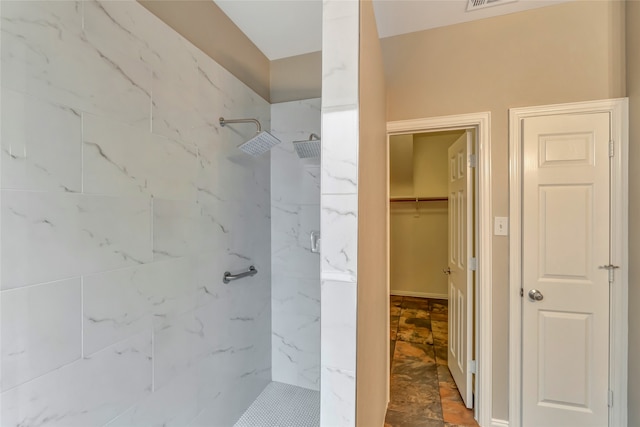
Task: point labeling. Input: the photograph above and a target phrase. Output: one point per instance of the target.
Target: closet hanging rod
(418, 199)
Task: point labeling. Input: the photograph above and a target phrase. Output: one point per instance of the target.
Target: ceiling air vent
(481, 4)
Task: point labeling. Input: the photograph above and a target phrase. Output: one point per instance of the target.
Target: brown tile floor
(423, 393)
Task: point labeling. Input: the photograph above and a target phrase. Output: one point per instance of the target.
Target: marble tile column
(339, 210)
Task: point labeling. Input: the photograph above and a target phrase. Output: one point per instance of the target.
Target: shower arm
(224, 122)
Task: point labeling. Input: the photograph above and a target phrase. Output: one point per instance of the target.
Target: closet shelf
(418, 199)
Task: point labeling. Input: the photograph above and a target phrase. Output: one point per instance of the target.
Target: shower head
(308, 148)
(261, 142)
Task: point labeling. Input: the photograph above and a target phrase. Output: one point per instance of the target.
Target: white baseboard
(419, 294)
(499, 423)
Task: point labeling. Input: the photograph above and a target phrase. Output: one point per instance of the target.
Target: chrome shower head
(261, 142)
(308, 148)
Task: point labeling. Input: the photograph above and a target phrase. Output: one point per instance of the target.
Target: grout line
(153, 359)
(82, 317)
(82, 118)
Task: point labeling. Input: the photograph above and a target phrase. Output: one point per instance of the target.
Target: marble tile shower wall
(123, 202)
(295, 271)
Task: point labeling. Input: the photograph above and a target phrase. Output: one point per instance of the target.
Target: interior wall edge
(372, 379)
(205, 25)
(632, 29)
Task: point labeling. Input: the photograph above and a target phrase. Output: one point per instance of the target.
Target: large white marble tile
(294, 295)
(41, 330)
(226, 405)
(338, 398)
(46, 54)
(241, 368)
(227, 343)
(340, 56)
(332, 9)
(120, 28)
(174, 405)
(291, 242)
(340, 151)
(50, 236)
(293, 180)
(233, 356)
(175, 91)
(89, 392)
(296, 349)
(228, 175)
(123, 160)
(178, 344)
(309, 376)
(214, 99)
(114, 157)
(173, 168)
(339, 226)
(296, 119)
(174, 224)
(121, 303)
(339, 313)
(41, 144)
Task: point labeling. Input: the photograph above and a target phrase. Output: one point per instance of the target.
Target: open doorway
(436, 320)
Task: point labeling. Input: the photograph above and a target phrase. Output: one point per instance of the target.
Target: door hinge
(610, 269)
(610, 399)
(611, 149)
(473, 367)
(473, 160)
(473, 264)
(521, 292)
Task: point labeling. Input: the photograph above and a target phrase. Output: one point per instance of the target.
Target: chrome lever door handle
(535, 295)
(446, 270)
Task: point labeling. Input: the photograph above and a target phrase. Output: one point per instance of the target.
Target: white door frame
(481, 122)
(618, 110)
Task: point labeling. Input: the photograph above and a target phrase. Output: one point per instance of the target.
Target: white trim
(499, 423)
(419, 294)
(388, 250)
(618, 109)
(482, 123)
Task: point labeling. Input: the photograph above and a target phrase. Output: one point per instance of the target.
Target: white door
(460, 275)
(565, 240)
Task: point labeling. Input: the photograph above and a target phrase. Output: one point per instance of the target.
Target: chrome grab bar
(228, 277)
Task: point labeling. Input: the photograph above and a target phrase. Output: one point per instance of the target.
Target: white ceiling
(283, 28)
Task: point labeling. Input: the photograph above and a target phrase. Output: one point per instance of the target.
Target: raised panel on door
(565, 238)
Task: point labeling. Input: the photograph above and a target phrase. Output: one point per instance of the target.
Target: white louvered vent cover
(481, 4)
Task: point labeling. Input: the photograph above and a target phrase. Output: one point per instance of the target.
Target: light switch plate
(501, 226)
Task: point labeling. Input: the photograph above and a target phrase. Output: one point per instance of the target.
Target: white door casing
(568, 216)
(481, 124)
(460, 250)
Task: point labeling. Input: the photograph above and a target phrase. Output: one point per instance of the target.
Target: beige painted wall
(633, 91)
(430, 153)
(401, 166)
(205, 25)
(297, 77)
(418, 249)
(564, 53)
(372, 381)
